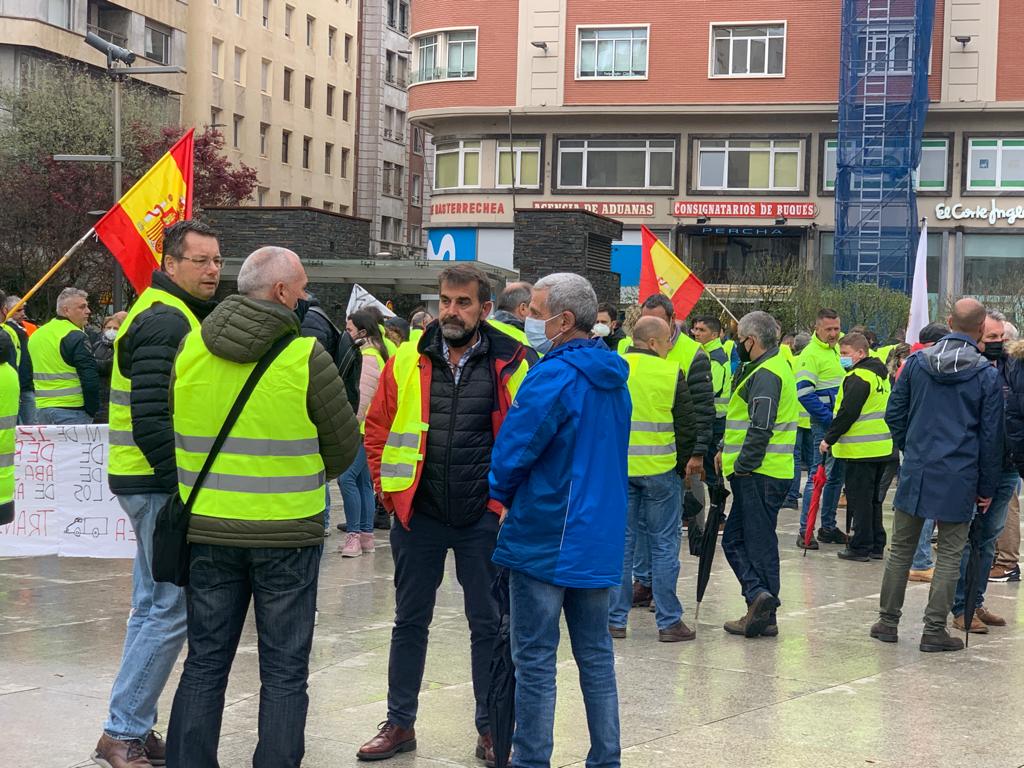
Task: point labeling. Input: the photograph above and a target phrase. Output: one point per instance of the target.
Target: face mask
(534, 329)
(846, 362)
(110, 334)
(601, 330)
(993, 350)
(743, 351)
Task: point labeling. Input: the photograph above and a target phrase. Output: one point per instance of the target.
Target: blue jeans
(63, 416)
(281, 583)
(27, 413)
(803, 455)
(923, 559)
(536, 608)
(357, 494)
(642, 542)
(654, 499)
(749, 541)
(833, 485)
(992, 524)
(155, 634)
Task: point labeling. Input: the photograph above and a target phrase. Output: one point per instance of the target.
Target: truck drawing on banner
(87, 526)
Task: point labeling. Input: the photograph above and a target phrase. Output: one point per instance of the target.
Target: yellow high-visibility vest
(10, 393)
(652, 437)
(721, 375)
(868, 437)
(56, 381)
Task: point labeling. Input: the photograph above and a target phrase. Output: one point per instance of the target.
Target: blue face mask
(535, 334)
(846, 362)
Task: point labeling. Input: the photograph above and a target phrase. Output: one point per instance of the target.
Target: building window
(286, 198)
(236, 131)
(416, 189)
(346, 103)
(330, 100)
(265, 65)
(286, 90)
(888, 51)
(616, 163)
(446, 56)
(264, 132)
(392, 179)
(286, 140)
(332, 35)
(415, 236)
(347, 49)
(328, 205)
(215, 57)
(344, 162)
(58, 13)
(390, 66)
(417, 140)
(239, 7)
(215, 117)
(266, 14)
(519, 165)
(240, 66)
(261, 196)
(390, 229)
(393, 13)
(753, 164)
(158, 42)
(306, 142)
(403, 17)
(617, 53)
(306, 201)
(456, 164)
(328, 156)
(289, 12)
(748, 51)
(310, 28)
(307, 94)
(992, 265)
(995, 164)
(929, 176)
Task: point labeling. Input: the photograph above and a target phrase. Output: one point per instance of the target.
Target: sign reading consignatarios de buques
(993, 214)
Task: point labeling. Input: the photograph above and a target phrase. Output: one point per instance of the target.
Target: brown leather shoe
(977, 626)
(115, 753)
(485, 749)
(677, 633)
(156, 749)
(989, 618)
(642, 595)
(617, 632)
(389, 741)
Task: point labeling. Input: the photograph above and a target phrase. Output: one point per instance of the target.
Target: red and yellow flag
(133, 229)
(661, 271)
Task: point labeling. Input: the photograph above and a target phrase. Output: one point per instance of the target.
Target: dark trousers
(749, 541)
(863, 484)
(282, 585)
(419, 554)
(717, 433)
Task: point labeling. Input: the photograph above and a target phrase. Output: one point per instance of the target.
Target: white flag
(362, 298)
(919, 294)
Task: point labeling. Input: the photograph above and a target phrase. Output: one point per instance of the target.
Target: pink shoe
(351, 547)
(366, 542)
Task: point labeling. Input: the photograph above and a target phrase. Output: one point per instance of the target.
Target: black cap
(932, 332)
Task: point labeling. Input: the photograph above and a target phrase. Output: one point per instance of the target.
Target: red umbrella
(812, 510)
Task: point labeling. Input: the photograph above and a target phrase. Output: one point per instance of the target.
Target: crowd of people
(532, 437)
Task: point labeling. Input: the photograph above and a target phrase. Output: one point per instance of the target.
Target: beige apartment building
(278, 77)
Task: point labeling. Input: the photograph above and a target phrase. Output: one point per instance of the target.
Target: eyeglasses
(216, 261)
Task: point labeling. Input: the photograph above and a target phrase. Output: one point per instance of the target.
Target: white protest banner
(361, 298)
(62, 504)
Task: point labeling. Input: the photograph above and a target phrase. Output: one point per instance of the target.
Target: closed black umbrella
(973, 579)
(694, 533)
(717, 495)
(501, 696)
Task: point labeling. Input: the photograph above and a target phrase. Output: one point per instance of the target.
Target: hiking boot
(485, 749)
(351, 547)
(977, 625)
(989, 618)
(831, 536)
(617, 632)
(677, 633)
(849, 554)
(884, 632)
(790, 504)
(739, 627)
(812, 544)
(120, 753)
(1001, 573)
(933, 642)
(922, 574)
(367, 543)
(877, 555)
(389, 741)
(759, 614)
(642, 595)
(156, 749)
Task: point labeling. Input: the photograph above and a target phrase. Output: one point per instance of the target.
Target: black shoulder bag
(170, 535)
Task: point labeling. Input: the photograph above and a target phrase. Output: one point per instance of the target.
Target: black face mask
(743, 351)
(993, 350)
(301, 309)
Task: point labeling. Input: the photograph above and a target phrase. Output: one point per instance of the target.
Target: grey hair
(263, 269)
(761, 326)
(514, 295)
(9, 303)
(996, 315)
(569, 292)
(1010, 331)
(65, 296)
(800, 341)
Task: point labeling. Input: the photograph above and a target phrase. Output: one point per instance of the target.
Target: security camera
(111, 51)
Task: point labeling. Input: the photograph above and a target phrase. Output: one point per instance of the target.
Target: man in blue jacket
(946, 416)
(559, 467)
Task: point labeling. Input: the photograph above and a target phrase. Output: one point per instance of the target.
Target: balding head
(653, 333)
(273, 274)
(968, 318)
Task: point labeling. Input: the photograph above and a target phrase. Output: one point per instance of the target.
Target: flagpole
(51, 272)
(720, 302)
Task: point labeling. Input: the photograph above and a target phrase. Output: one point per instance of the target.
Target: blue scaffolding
(883, 100)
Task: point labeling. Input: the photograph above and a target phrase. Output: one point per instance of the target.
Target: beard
(456, 333)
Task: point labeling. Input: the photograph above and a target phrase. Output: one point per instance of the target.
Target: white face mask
(601, 330)
(110, 334)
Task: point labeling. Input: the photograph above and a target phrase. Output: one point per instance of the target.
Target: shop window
(993, 265)
(749, 164)
(612, 53)
(744, 259)
(445, 56)
(827, 265)
(616, 163)
(748, 51)
(457, 164)
(929, 176)
(519, 164)
(995, 164)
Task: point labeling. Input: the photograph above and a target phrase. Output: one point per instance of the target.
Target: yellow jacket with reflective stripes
(652, 438)
(10, 392)
(270, 467)
(721, 375)
(509, 330)
(868, 437)
(804, 419)
(15, 340)
(56, 381)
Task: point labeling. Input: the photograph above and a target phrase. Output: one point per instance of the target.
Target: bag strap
(236, 410)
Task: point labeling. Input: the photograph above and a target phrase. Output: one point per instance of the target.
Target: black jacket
(1013, 388)
(702, 393)
(103, 352)
(25, 369)
(855, 394)
(146, 354)
(684, 418)
(338, 344)
(77, 352)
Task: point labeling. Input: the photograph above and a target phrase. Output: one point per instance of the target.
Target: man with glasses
(143, 473)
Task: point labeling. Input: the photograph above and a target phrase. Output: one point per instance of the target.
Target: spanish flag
(661, 271)
(133, 229)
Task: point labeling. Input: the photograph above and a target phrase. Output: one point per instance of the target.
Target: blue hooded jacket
(559, 465)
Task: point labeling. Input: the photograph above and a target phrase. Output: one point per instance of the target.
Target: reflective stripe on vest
(652, 436)
(868, 437)
(10, 392)
(125, 457)
(721, 375)
(56, 381)
(778, 457)
(15, 340)
(270, 467)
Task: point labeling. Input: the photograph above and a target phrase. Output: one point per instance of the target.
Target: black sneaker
(831, 536)
(935, 642)
(812, 544)
(849, 554)
(790, 504)
(885, 633)
(877, 555)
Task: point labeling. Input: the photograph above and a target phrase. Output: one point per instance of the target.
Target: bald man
(946, 416)
(664, 429)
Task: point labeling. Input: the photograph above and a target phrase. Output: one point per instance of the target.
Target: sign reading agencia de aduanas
(993, 215)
